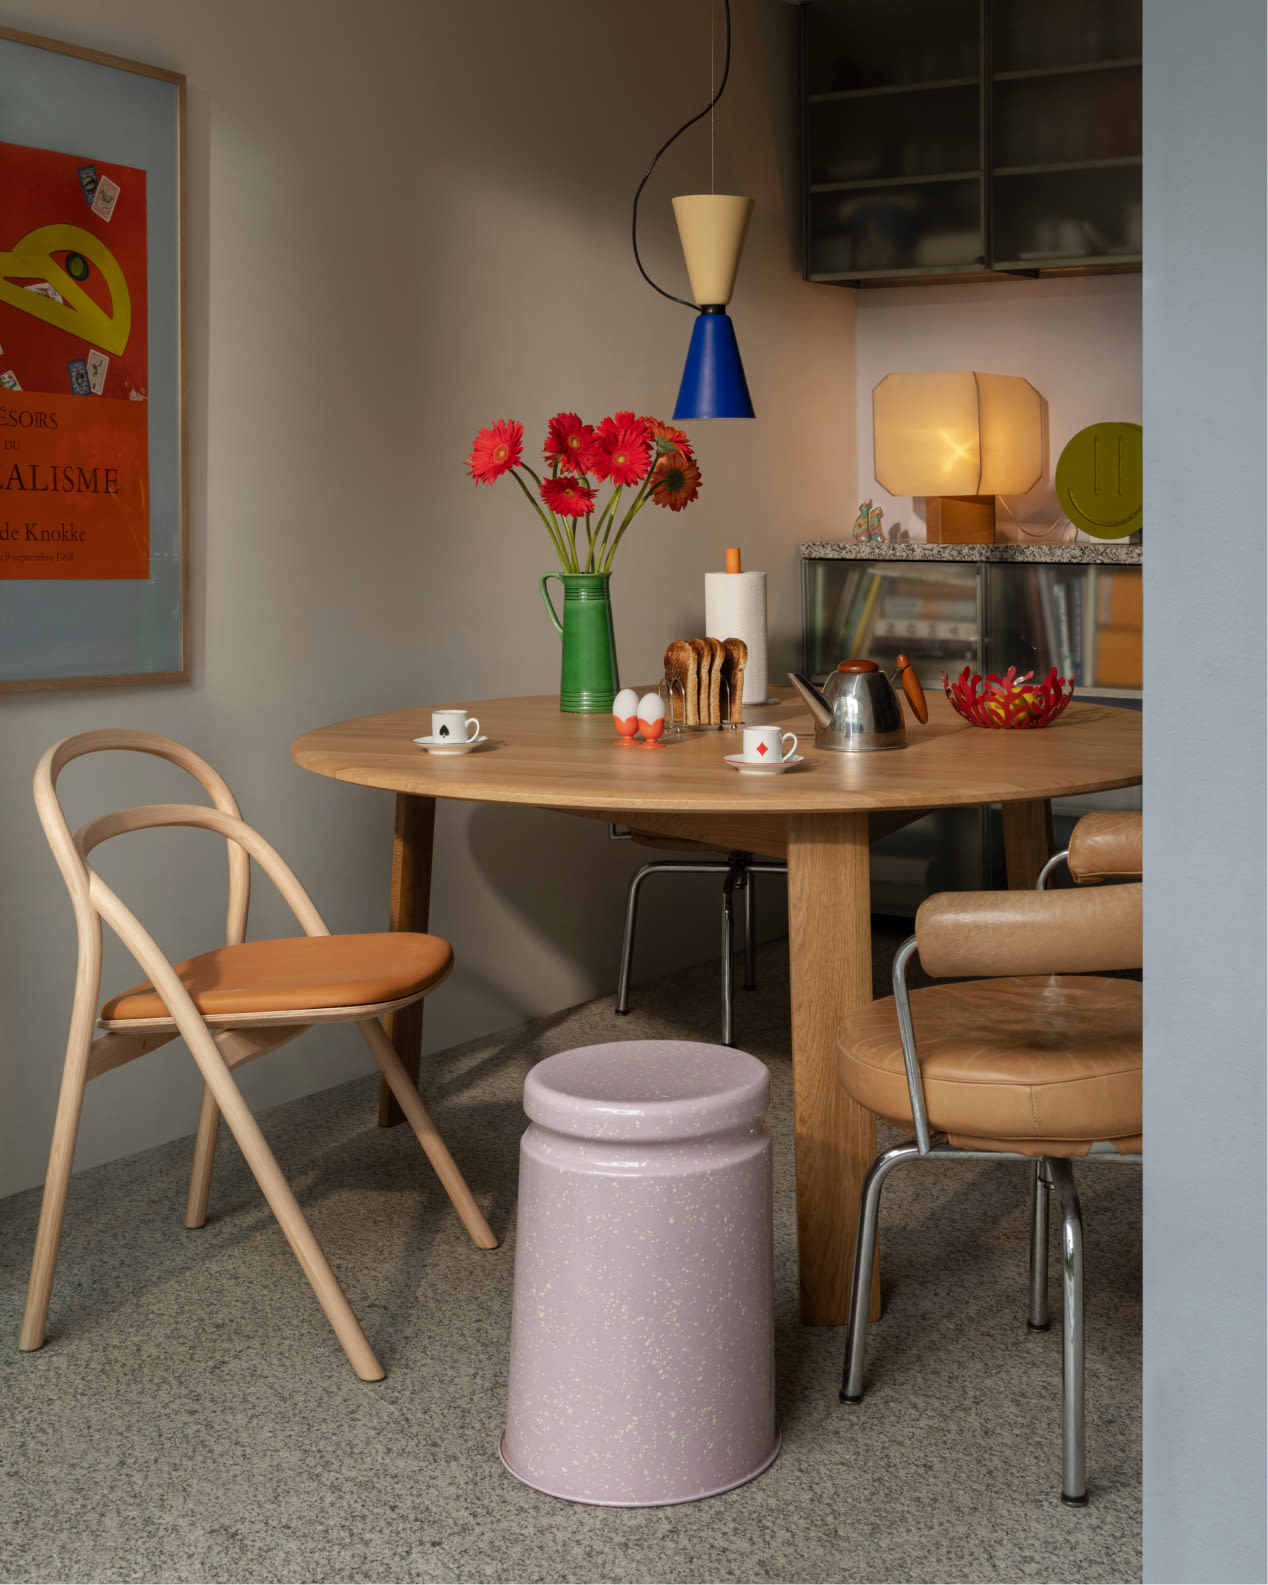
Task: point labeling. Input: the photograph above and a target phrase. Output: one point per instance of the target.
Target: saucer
(436, 745)
(753, 767)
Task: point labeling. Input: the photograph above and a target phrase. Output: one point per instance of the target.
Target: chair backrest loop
(56, 828)
(95, 901)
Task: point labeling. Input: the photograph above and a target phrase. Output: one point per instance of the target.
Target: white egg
(625, 704)
(651, 707)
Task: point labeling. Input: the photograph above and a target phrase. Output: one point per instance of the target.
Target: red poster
(74, 452)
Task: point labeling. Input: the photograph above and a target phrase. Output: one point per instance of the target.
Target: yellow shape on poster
(31, 258)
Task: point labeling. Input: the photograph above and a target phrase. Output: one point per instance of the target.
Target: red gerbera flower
(622, 450)
(567, 497)
(496, 450)
(675, 481)
(665, 438)
(570, 443)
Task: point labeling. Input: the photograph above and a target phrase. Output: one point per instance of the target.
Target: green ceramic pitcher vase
(588, 679)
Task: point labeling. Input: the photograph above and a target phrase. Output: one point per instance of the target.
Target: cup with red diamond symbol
(764, 745)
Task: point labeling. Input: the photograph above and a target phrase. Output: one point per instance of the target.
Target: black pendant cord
(725, 71)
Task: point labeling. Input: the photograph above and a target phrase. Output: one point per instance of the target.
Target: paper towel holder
(734, 568)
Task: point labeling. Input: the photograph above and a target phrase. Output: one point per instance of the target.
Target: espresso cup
(454, 726)
(764, 745)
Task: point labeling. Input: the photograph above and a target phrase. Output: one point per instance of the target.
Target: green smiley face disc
(1100, 480)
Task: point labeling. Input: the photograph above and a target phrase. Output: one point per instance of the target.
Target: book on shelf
(859, 629)
(919, 627)
(1061, 612)
(938, 609)
(1119, 619)
(937, 649)
(1087, 612)
(856, 595)
(1048, 619)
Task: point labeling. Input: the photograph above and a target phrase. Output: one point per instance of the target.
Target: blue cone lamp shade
(713, 383)
(711, 227)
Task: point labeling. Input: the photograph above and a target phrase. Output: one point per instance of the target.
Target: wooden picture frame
(94, 584)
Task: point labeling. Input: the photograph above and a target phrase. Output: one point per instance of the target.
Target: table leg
(410, 908)
(830, 953)
(1028, 841)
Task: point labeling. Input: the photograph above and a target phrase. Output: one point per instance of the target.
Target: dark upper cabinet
(950, 139)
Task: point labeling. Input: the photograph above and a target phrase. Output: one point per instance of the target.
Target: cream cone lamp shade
(960, 440)
(711, 227)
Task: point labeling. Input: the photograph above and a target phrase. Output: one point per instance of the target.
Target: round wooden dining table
(821, 815)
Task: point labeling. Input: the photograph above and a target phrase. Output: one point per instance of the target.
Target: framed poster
(92, 424)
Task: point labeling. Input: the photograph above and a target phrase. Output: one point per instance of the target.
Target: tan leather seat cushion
(1045, 1065)
(301, 972)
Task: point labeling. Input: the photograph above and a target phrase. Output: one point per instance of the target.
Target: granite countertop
(1106, 553)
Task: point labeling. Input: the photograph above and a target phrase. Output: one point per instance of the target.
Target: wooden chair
(230, 1005)
(739, 871)
(1040, 1060)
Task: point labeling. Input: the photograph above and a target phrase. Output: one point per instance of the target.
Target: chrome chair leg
(864, 1257)
(734, 876)
(1073, 1421)
(750, 929)
(737, 871)
(627, 944)
(1040, 1189)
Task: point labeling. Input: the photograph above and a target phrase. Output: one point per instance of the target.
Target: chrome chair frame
(740, 870)
(1049, 1174)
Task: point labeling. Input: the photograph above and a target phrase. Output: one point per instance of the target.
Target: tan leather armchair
(1036, 1058)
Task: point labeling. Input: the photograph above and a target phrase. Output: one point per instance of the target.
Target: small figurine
(861, 532)
(874, 529)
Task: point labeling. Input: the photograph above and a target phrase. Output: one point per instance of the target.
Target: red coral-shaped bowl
(1010, 700)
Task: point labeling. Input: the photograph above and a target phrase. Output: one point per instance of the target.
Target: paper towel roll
(735, 607)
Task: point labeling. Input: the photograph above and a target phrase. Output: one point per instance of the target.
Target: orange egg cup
(1010, 701)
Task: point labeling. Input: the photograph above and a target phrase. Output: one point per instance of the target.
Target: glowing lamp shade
(960, 440)
(712, 227)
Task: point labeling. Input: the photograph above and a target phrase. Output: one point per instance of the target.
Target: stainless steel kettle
(857, 710)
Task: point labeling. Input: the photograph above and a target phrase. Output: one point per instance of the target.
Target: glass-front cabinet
(1006, 607)
(894, 138)
(1065, 118)
(1084, 618)
(949, 138)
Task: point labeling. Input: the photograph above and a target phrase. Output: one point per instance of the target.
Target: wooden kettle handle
(911, 687)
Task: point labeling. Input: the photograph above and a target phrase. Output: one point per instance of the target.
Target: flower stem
(551, 529)
(640, 501)
(607, 517)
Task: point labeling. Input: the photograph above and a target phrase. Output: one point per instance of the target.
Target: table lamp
(959, 440)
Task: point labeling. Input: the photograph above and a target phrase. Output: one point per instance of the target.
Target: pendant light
(711, 228)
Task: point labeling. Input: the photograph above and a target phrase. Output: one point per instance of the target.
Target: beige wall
(407, 219)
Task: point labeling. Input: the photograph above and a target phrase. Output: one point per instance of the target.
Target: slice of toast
(736, 651)
(680, 667)
(717, 658)
(704, 665)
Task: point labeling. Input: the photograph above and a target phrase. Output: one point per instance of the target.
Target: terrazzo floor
(192, 1418)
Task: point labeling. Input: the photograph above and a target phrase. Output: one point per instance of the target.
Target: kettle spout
(815, 702)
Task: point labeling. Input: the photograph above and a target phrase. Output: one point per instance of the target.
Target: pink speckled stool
(642, 1338)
